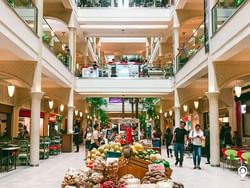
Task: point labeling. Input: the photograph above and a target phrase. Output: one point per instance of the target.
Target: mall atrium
(87, 85)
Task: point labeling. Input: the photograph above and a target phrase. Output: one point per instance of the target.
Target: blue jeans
(179, 148)
(197, 155)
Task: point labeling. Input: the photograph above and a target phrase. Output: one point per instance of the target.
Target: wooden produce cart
(138, 168)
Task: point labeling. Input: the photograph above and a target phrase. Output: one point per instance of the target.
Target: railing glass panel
(53, 42)
(191, 46)
(223, 10)
(124, 3)
(26, 10)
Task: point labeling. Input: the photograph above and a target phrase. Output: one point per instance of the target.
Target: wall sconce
(51, 103)
(11, 90)
(196, 104)
(86, 111)
(88, 117)
(170, 112)
(76, 112)
(80, 114)
(61, 107)
(237, 90)
(160, 111)
(185, 108)
(165, 114)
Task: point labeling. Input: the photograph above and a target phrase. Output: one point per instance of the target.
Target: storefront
(24, 121)
(5, 120)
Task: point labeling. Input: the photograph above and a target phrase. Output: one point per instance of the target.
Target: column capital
(176, 107)
(72, 27)
(37, 94)
(212, 95)
(71, 107)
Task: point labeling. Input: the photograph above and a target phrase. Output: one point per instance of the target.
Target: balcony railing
(223, 11)
(125, 3)
(52, 41)
(127, 70)
(26, 10)
(190, 47)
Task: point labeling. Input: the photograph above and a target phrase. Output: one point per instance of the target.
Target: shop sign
(129, 121)
(156, 167)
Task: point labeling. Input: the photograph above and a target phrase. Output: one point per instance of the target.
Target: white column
(214, 128)
(175, 41)
(72, 44)
(177, 112)
(35, 128)
(70, 111)
(36, 94)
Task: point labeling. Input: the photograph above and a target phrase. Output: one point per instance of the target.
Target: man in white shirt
(196, 136)
(95, 137)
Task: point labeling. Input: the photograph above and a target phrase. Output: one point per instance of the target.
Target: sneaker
(176, 162)
(195, 167)
(180, 164)
(199, 168)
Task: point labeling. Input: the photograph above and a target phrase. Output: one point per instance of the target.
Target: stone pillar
(35, 128)
(214, 128)
(72, 47)
(70, 112)
(175, 41)
(36, 94)
(177, 112)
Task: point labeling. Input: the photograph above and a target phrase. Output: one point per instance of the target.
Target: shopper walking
(179, 138)
(95, 137)
(196, 136)
(207, 144)
(77, 137)
(168, 140)
(88, 137)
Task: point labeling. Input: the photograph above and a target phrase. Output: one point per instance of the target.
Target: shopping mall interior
(110, 93)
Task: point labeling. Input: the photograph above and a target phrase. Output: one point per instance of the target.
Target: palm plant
(95, 104)
(149, 106)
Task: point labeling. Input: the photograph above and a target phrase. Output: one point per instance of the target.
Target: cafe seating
(246, 159)
(232, 159)
(23, 153)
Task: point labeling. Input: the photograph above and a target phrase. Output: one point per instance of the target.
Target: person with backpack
(196, 136)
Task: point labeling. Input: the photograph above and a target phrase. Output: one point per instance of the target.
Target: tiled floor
(50, 174)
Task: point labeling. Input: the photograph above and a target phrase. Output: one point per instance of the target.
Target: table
(11, 153)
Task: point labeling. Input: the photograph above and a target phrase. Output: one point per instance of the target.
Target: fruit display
(79, 178)
(103, 150)
(137, 147)
(162, 161)
(99, 165)
(153, 177)
(111, 170)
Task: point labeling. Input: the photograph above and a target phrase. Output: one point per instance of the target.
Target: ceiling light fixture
(61, 107)
(185, 108)
(196, 104)
(165, 114)
(76, 112)
(51, 103)
(11, 90)
(170, 112)
(237, 90)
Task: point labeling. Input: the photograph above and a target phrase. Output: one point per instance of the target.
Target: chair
(232, 158)
(23, 153)
(246, 159)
